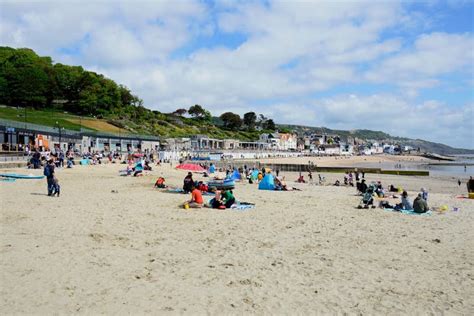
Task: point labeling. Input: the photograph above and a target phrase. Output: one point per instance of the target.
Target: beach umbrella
(190, 167)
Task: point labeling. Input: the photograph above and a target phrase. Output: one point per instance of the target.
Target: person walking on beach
(49, 173)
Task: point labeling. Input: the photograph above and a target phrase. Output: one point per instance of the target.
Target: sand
(92, 251)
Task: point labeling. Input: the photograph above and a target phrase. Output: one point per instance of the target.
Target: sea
(462, 167)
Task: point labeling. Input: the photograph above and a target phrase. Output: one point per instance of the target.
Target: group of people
(419, 204)
(222, 198)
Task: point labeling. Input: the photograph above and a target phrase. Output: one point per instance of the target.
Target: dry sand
(347, 161)
(92, 251)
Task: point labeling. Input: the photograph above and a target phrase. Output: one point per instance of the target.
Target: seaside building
(280, 141)
(177, 144)
(16, 136)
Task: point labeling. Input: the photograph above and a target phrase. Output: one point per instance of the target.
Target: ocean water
(462, 168)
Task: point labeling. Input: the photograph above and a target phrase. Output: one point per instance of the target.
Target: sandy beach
(92, 251)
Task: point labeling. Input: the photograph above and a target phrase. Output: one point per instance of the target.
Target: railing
(5, 158)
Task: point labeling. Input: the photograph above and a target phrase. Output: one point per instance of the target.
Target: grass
(98, 125)
(166, 127)
(41, 117)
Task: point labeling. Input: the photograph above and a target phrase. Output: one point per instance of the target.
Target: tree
(198, 112)
(180, 112)
(231, 120)
(250, 119)
(269, 124)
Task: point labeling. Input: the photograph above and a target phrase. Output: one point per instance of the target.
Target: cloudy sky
(406, 68)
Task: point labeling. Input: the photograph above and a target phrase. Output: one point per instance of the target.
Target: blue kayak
(20, 176)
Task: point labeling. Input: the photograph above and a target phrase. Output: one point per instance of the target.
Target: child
(196, 199)
(55, 188)
(160, 183)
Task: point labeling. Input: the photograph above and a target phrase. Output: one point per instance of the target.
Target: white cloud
(432, 55)
(430, 120)
(291, 51)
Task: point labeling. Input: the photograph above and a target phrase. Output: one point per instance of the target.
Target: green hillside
(167, 125)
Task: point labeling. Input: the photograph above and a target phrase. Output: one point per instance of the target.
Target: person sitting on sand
(379, 189)
(160, 183)
(138, 168)
(228, 198)
(216, 202)
(147, 165)
(420, 205)
(202, 186)
(301, 179)
(424, 194)
(406, 205)
(277, 184)
(321, 179)
(362, 186)
(337, 183)
(391, 188)
(188, 183)
(196, 198)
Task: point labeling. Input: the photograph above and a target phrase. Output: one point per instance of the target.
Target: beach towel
(242, 206)
(409, 212)
(267, 183)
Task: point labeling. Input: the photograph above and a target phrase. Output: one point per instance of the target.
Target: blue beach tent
(267, 183)
(236, 175)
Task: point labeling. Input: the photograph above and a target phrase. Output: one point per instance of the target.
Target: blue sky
(405, 68)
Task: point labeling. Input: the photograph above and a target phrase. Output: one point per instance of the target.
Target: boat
(227, 184)
(20, 176)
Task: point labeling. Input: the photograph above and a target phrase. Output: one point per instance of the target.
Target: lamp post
(25, 117)
(59, 131)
